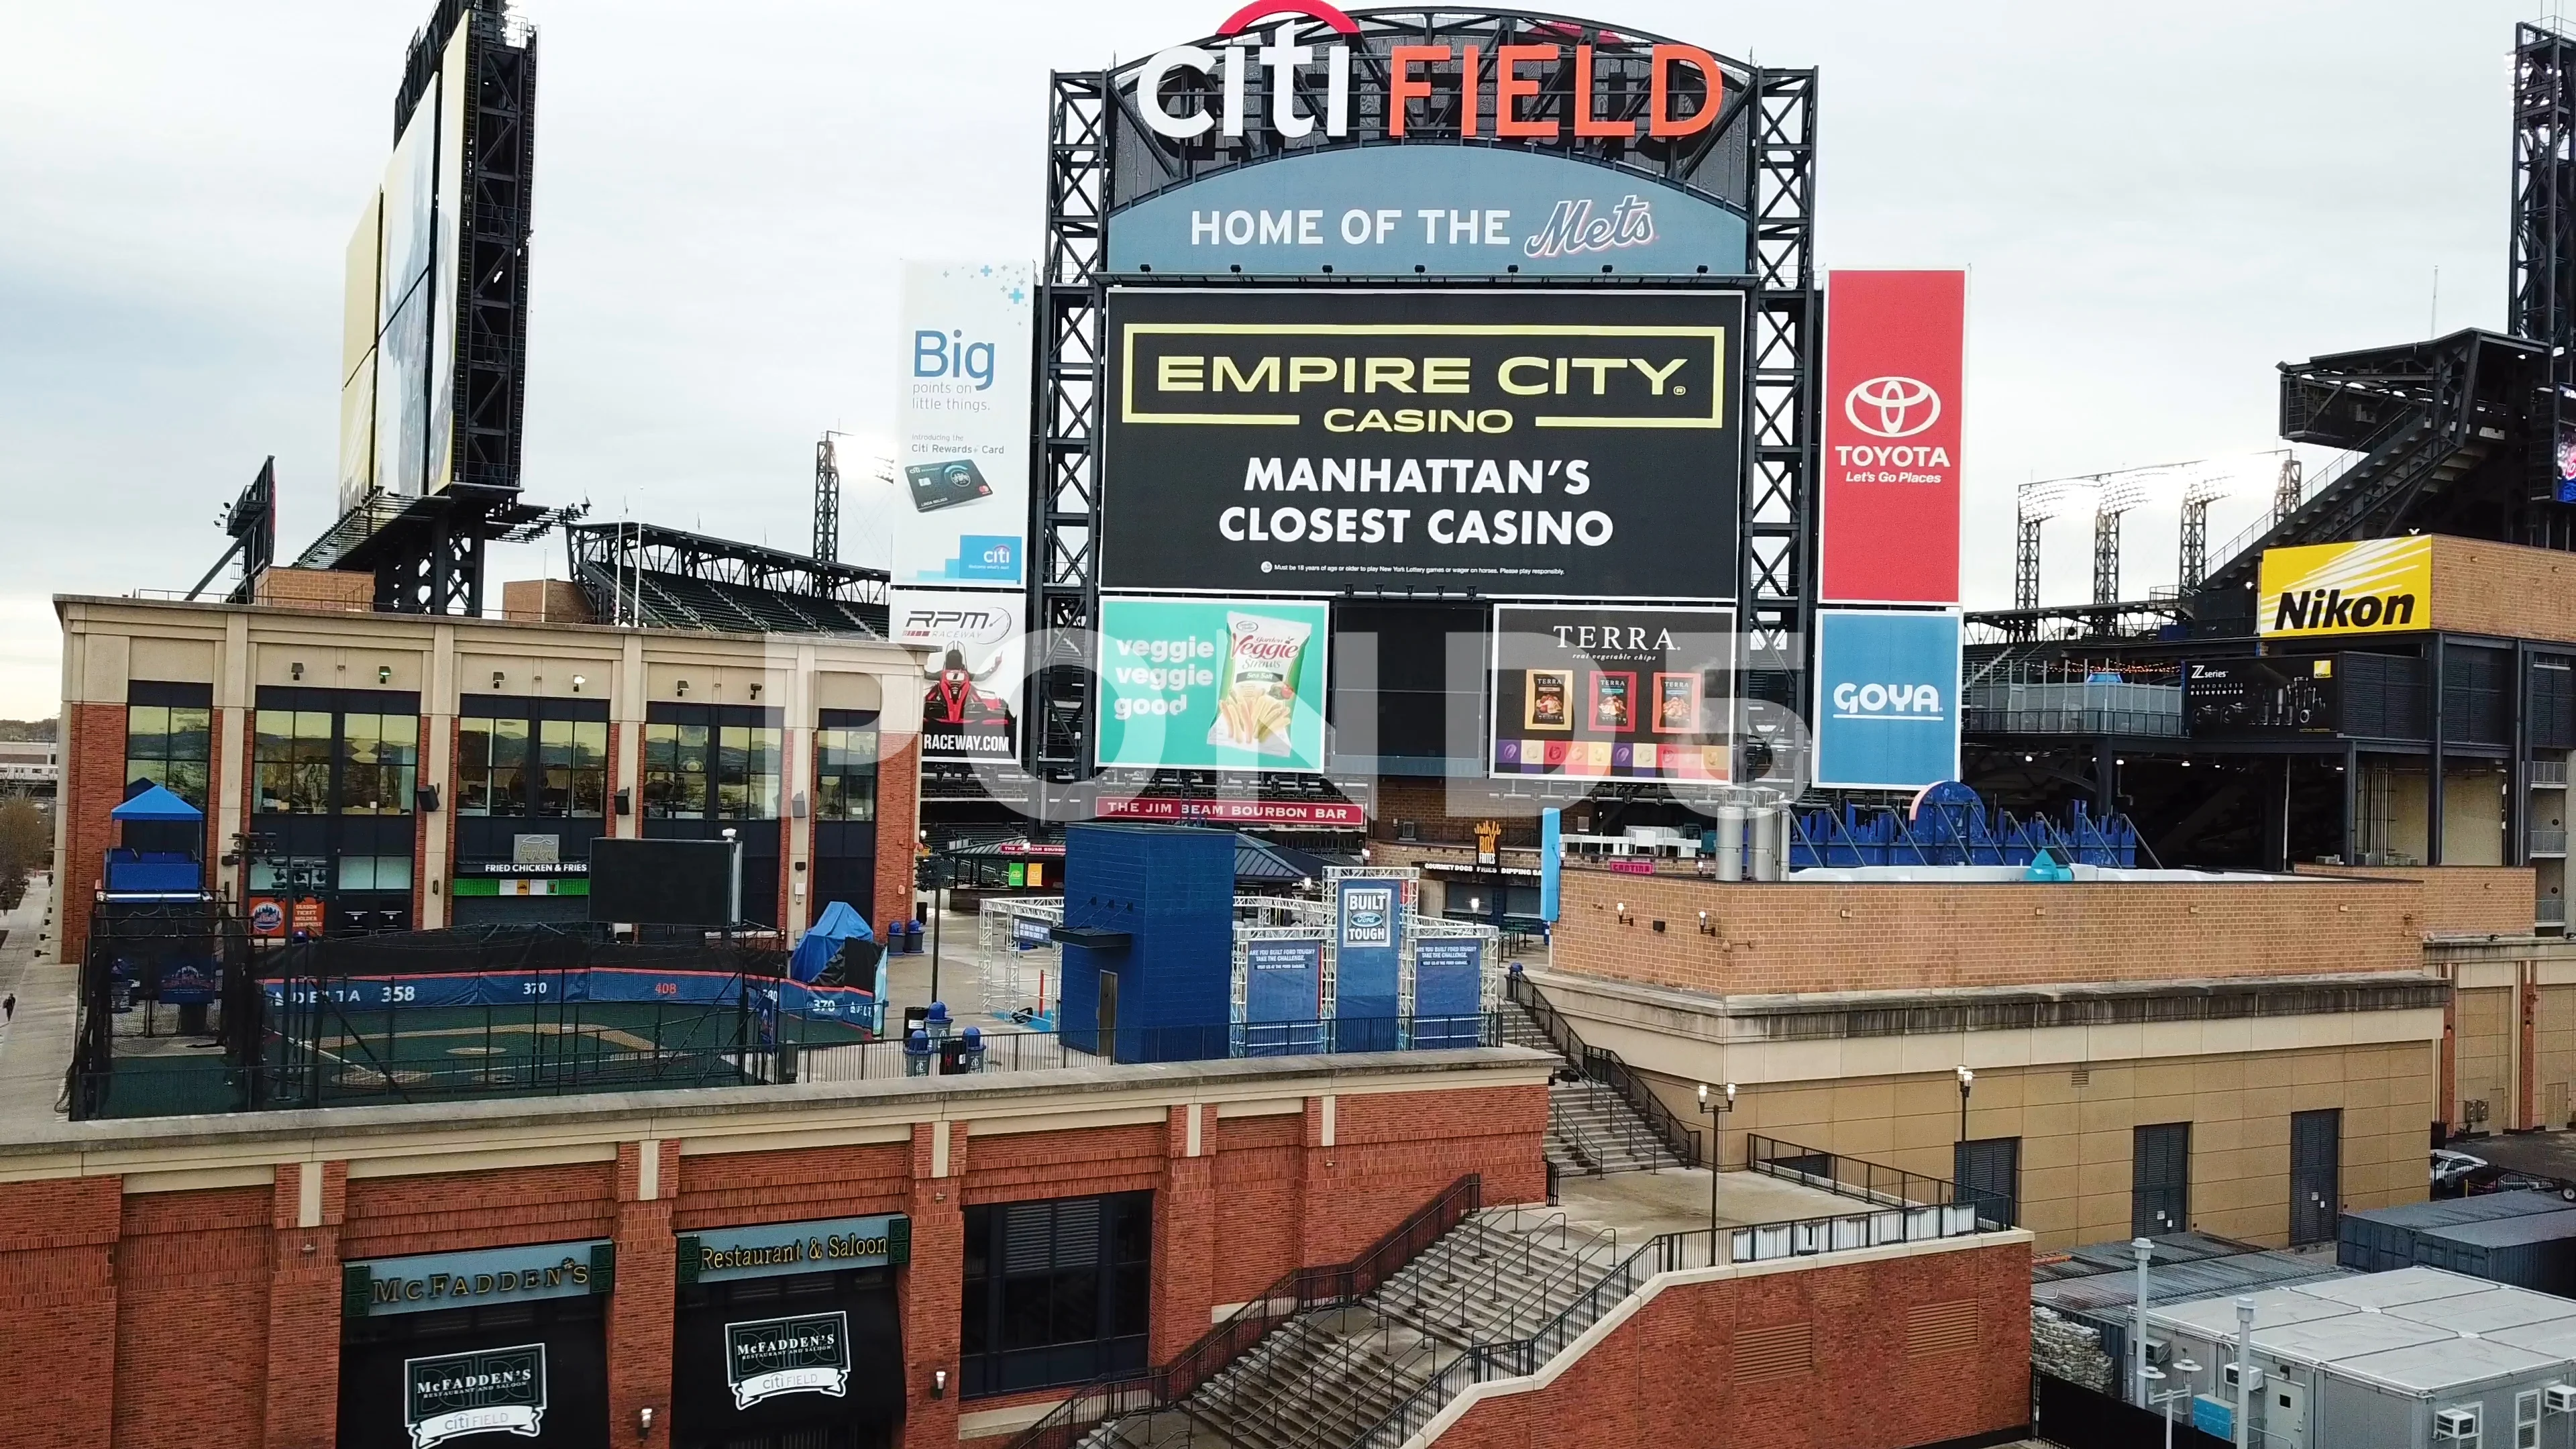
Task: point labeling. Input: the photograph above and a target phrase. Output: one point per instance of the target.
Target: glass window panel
(359, 734)
(147, 732)
(400, 782)
(313, 737)
(554, 790)
(188, 779)
(191, 734)
(276, 739)
(398, 739)
(1131, 1229)
(763, 801)
(590, 792)
(509, 742)
(393, 872)
(263, 873)
(273, 784)
(1131, 1299)
(155, 770)
(733, 752)
(554, 742)
(692, 753)
(357, 872)
(474, 792)
(590, 743)
(509, 791)
(361, 790)
(473, 744)
(764, 752)
(731, 799)
(979, 1245)
(1075, 1300)
(1026, 1319)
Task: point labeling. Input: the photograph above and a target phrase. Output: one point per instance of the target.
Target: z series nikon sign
(1500, 443)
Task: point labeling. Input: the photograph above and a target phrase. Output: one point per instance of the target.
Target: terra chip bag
(1257, 698)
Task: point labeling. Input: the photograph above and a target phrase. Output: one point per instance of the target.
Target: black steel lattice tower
(2540, 294)
(827, 502)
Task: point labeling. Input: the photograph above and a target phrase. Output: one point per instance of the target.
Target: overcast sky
(2157, 205)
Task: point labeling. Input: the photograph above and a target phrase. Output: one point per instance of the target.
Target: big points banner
(962, 424)
(1887, 699)
(1212, 684)
(1500, 443)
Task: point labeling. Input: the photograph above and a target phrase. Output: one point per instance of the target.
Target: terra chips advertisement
(1592, 693)
(962, 424)
(1212, 684)
(1496, 442)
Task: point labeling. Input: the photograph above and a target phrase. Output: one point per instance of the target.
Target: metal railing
(1846, 1176)
(2546, 774)
(1600, 1064)
(1039, 1051)
(2545, 840)
(2549, 911)
(1297, 1291)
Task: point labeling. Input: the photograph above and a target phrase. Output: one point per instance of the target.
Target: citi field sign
(1561, 148)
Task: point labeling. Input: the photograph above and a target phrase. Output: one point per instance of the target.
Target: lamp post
(2138, 1370)
(2165, 1401)
(1967, 1079)
(1713, 1106)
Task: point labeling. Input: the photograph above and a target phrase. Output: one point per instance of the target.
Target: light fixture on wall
(496, 679)
(384, 674)
(644, 1422)
(755, 691)
(681, 689)
(295, 671)
(577, 683)
(939, 1383)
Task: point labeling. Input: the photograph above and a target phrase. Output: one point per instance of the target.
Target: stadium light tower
(2035, 504)
(827, 501)
(2116, 495)
(2223, 479)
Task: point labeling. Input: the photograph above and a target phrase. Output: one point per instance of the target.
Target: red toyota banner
(1895, 351)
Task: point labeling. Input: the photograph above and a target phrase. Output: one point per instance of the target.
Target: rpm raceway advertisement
(1504, 443)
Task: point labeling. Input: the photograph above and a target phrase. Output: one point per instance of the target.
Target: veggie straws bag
(1257, 700)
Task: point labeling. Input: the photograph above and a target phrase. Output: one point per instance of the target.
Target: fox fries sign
(1212, 684)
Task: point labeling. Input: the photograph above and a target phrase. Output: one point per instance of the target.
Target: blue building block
(1156, 902)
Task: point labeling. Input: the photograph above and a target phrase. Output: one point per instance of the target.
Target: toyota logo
(1892, 407)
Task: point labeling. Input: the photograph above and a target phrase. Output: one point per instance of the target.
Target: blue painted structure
(1956, 832)
(1168, 890)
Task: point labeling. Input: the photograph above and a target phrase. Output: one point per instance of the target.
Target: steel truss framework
(1086, 118)
(2540, 295)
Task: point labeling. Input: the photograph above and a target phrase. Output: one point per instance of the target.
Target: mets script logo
(1892, 407)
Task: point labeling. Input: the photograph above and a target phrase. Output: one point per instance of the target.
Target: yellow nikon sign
(2375, 586)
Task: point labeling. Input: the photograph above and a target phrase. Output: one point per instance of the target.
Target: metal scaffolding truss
(1759, 156)
(628, 547)
(2540, 295)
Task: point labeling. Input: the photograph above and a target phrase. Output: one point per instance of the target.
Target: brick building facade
(191, 1277)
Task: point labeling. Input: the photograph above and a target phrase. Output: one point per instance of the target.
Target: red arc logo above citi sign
(1497, 107)
(1892, 407)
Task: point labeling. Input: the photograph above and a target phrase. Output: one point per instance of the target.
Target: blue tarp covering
(597, 983)
(156, 803)
(824, 938)
(1448, 992)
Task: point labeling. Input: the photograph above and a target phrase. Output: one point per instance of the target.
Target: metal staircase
(1330, 1378)
(1591, 1128)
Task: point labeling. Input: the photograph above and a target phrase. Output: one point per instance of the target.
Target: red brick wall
(2459, 900)
(2503, 589)
(58, 1311)
(110, 1292)
(1818, 937)
(898, 825)
(93, 784)
(192, 1273)
(1670, 1373)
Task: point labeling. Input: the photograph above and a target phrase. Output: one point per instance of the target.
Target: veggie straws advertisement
(1212, 684)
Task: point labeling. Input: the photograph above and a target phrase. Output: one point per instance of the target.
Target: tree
(26, 842)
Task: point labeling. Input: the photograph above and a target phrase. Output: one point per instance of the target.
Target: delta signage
(1499, 443)
(2373, 586)
(1895, 355)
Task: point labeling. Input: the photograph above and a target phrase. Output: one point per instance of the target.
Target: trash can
(917, 1055)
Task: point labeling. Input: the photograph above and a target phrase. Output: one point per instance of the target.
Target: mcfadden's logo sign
(1502, 94)
(2375, 586)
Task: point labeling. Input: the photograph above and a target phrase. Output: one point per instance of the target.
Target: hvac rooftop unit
(2159, 1352)
(2559, 1398)
(2227, 1376)
(2456, 1424)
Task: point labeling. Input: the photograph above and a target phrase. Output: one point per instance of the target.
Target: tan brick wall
(2076, 1128)
(2483, 1064)
(325, 589)
(2503, 589)
(545, 601)
(1816, 937)
(2459, 900)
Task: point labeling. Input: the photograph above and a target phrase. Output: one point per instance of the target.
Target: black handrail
(1603, 1065)
(1297, 1291)
(1847, 1176)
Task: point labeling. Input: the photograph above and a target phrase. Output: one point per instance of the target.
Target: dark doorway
(558, 1343)
(722, 1329)
(1988, 1173)
(2160, 1180)
(2316, 1175)
(1108, 1017)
